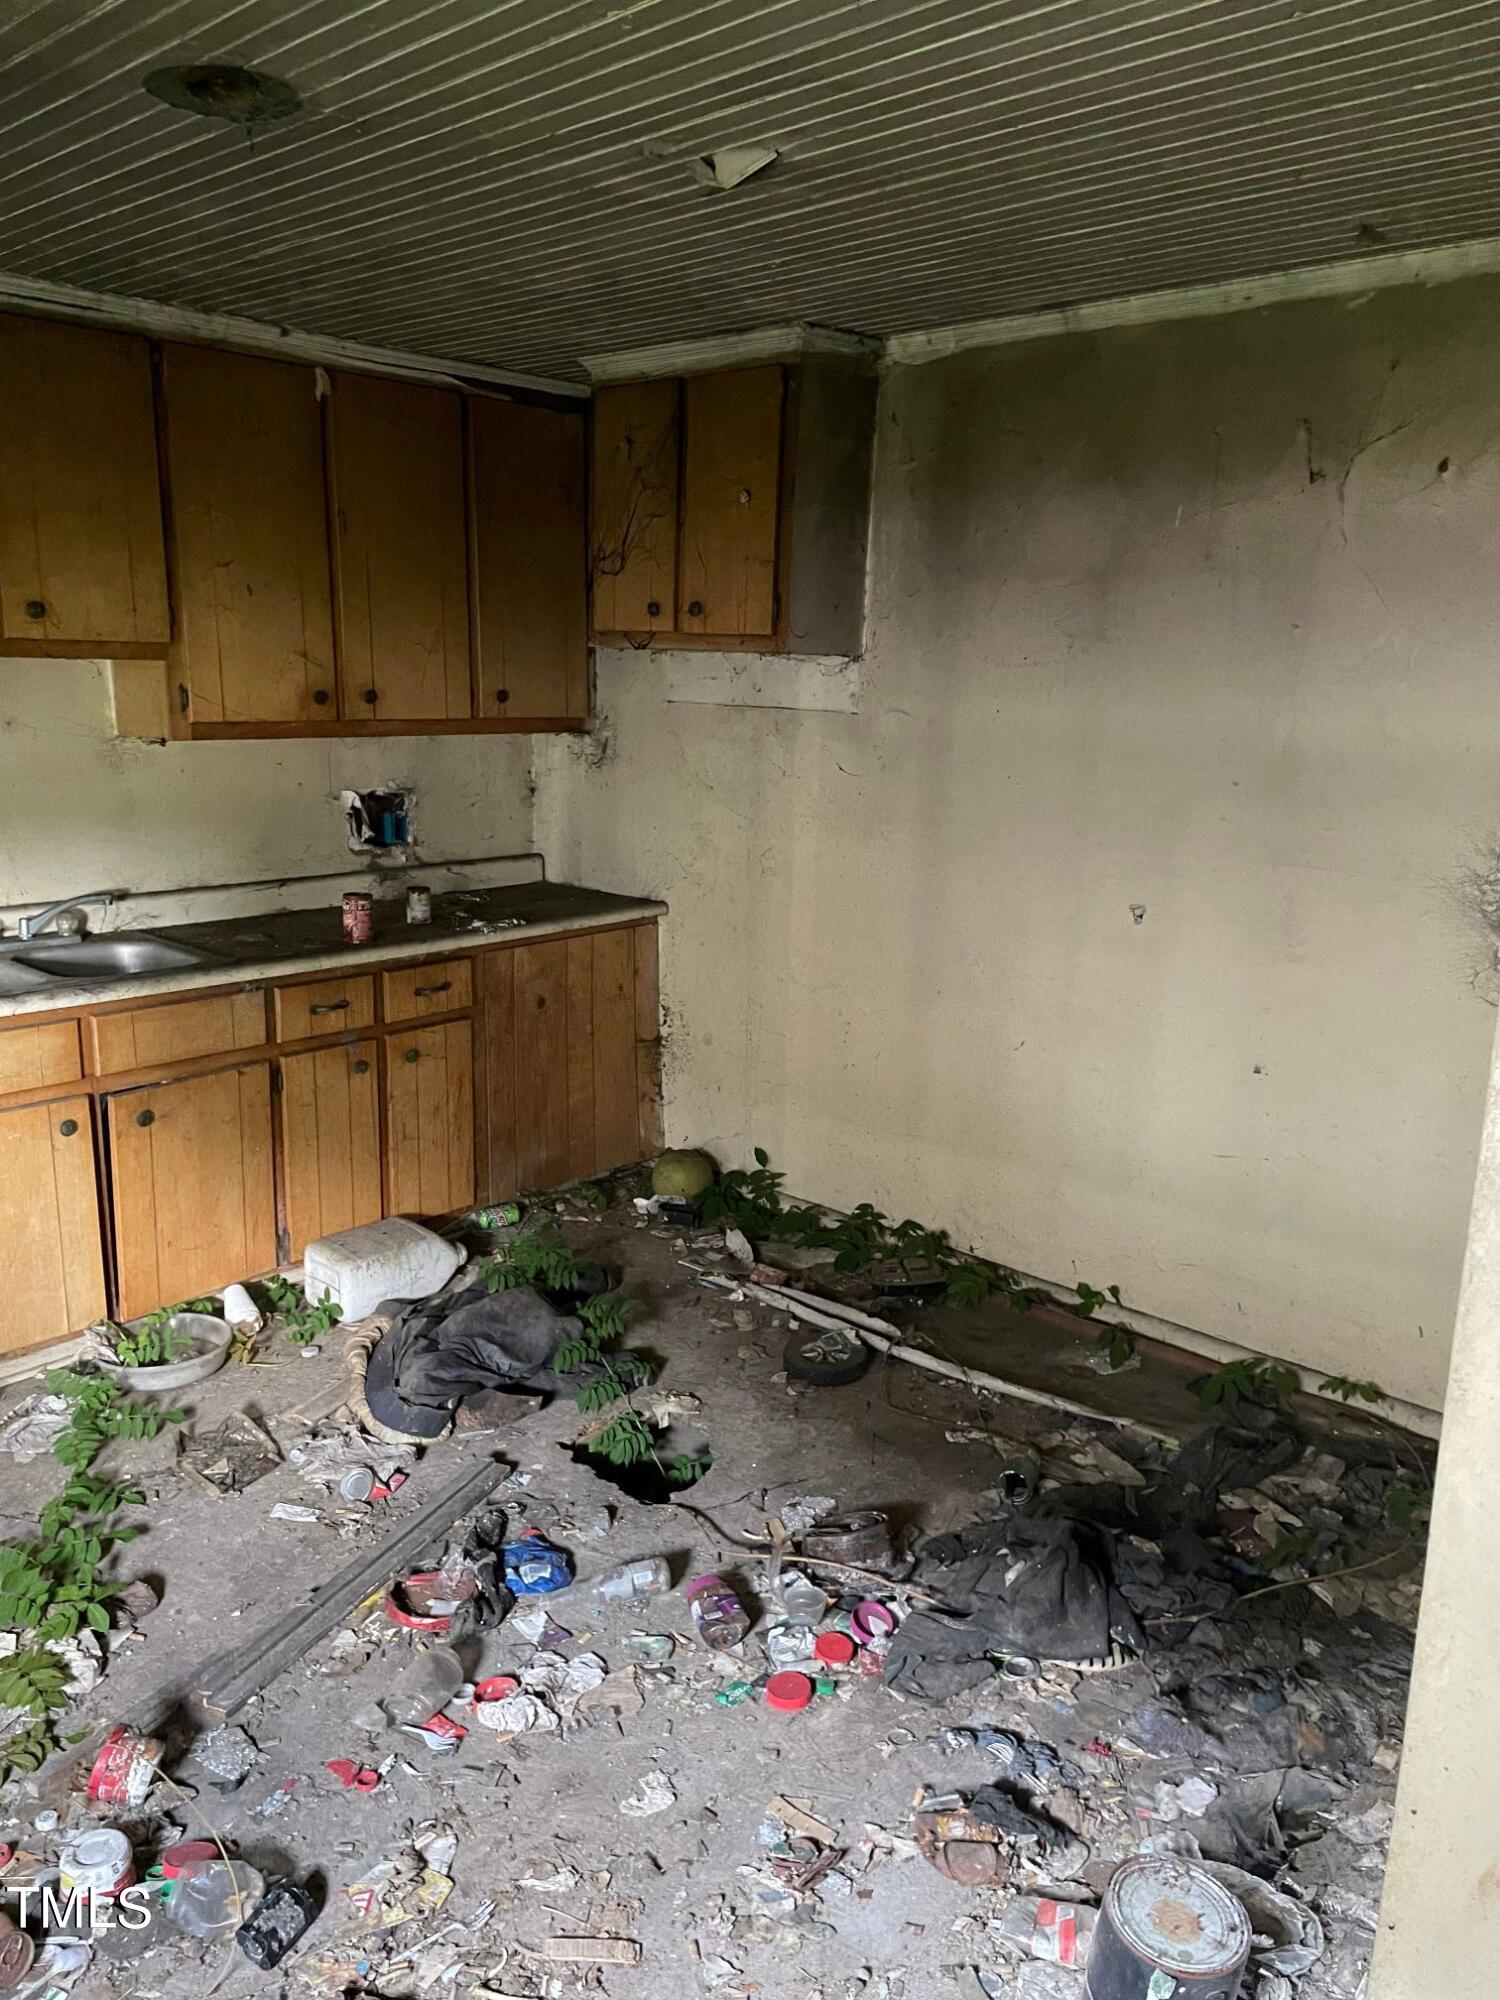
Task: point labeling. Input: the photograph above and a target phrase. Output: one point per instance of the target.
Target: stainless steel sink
(118, 955)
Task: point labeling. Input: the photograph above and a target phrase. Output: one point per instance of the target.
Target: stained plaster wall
(81, 809)
(1121, 930)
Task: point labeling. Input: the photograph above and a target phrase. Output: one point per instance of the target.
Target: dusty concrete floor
(544, 1849)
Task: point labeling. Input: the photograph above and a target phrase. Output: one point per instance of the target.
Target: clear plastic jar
(214, 1896)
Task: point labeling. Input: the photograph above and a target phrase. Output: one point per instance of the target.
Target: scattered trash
(718, 1616)
(357, 1269)
(275, 1924)
(654, 1794)
(588, 1951)
(213, 1896)
(125, 1767)
(789, 1692)
(534, 1567)
(1045, 1928)
(286, 1510)
(648, 1576)
(1168, 1929)
(98, 1862)
(353, 1776)
(516, 1714)
(33, 1427)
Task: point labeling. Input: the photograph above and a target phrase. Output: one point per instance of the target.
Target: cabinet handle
(361, 1068)
(145, 1118)
(413, 1055)
(695, 609)
(370, 696)
(328, 1007)
(502, 694)
(35, 608)
(441, 987)
(68, 1127)
(653, 607)
(320, 696)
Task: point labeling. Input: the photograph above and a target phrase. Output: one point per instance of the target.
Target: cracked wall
(1194, 620)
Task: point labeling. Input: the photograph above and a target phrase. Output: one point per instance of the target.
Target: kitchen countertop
(281, 943)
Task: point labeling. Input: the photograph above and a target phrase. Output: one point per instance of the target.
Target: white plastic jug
(394, 1259)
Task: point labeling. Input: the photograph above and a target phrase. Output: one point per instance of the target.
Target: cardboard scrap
(793, 1814)
(588, 1951)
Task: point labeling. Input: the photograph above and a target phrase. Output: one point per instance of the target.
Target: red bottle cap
(836, 1648)
(788, 1692)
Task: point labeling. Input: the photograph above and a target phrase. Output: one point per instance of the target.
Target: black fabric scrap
(440, 1350)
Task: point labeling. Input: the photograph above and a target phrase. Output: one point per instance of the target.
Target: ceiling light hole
(243, 97)
(731, 166)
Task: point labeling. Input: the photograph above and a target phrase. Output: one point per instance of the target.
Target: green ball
(683, 1174)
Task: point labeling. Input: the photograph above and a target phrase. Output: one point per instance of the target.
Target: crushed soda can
(124, 1768)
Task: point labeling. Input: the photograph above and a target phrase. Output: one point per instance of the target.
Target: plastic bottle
(717, 1613)
(427, 1683)
(648, 1576)
(275, 1924)
(214, 1896)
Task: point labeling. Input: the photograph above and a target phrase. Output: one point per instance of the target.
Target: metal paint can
(1168, 1931)
(124, 1768)
(99, 1861)
(359, 916)
(418, 905)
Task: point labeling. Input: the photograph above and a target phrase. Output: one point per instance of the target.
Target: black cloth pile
(440, 1350)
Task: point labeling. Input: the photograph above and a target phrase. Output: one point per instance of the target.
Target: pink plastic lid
(788, 1691)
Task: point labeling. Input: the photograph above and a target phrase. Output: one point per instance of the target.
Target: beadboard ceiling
(511, 181)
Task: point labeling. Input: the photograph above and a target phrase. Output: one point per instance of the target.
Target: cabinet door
(194, 1203)
(81, 559)
(564, 1014)
(527, 547)
(330, 1141)
(249, 516)
(429, 1120)
(730, 503)
(633, 532)
(401, 584)
(51, 1260)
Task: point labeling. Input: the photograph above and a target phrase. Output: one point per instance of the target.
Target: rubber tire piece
(825, 1359)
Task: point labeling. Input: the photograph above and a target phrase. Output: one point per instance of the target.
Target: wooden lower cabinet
(330, 1141)
(569, 1045)
(429, 1119)
(51, 1256)
(193, 1194)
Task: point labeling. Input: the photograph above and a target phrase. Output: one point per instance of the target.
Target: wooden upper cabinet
(633, 533)
(731, 479)
(51, 1255)
(82, 566)
(400, 558)
(249, 537)
(528, 562)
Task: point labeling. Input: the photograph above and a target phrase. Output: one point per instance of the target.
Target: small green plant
(99, 1412)
(969, 1284)
(1250, 1379)
(1116, 1343)
(534, 1257)
(1407, 1507)
(280, 1300)
(1090, 1298)
(1351, 1391)
(313, 1322)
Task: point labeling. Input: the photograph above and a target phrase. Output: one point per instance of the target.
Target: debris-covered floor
(659, 1828)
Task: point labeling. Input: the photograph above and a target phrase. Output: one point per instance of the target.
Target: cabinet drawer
(45, 1053)
(144, 1036)
(327, 1007)
(419, 990)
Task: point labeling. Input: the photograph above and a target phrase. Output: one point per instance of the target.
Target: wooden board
(616, 1133)
(581, 1150)
(541, 1049)
(32, 1057)
(82, 561)
(142, 1036)
(633, 516)
(194, 1204)
(330, 1141)
(730, 502)
(324, 1007)
(429, 1126)
(249, 536)
(51, 1256)
(528, 560)
(647, 1043)
(495, 1075)
(401, 588)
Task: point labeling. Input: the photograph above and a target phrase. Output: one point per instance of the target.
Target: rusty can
(1168, 1931)
(17, 1951)
(418, 904)
(124, 1768)
(359, 916)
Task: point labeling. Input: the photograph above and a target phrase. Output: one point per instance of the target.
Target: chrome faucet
(30, 927)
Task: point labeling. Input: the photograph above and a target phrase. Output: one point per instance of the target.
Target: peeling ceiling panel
(518, 182)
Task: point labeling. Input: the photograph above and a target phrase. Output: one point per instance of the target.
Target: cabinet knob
(35, 608)
(744, 496)
(320, 696)
(68, 1127)
(695, 609)
(361, 1068)
(502, 694)
(145, 1118)
(413, 1055)
(653, 607)
(370, 696)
